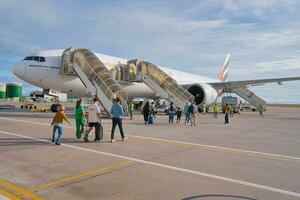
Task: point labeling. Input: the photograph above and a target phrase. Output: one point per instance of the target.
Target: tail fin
(225, 69)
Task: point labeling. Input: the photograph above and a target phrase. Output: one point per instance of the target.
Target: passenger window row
(35, 58)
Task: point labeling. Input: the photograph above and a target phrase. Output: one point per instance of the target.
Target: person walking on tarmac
(261, 110)
(94, 120)
(226, 114)
(117, 112)
(231, 110)
(194, 111)
(179, 114)
(216, 111)
(203, 108)
(57, 124)
(130, 110)
(152, 109)
(79, 118)
(145, 111)
(172, 111)
(186, 113)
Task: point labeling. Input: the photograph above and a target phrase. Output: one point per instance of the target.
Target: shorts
(94, 124)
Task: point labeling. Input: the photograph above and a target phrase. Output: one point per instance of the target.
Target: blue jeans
(59, 127)
(171, 117)
(115, 122)
(187, 118)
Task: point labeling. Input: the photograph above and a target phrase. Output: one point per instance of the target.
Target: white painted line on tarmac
(3, 197)
(220, 148)
(254, 185)
(184, 143)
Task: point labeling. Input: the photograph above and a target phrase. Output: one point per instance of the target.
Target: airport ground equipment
(94, 75)
(39, 109)
(156, 79)
(27, 105)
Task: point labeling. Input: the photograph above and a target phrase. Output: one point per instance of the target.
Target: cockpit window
(28, 58)
(35, 58)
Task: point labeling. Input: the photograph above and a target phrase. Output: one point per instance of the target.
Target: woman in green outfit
(79, 117)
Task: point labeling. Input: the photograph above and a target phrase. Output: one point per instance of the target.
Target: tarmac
(251, 158)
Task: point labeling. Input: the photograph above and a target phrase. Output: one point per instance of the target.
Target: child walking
(57, 124)
(179, 114)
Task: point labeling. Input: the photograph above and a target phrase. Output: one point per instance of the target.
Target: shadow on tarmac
(28, 142)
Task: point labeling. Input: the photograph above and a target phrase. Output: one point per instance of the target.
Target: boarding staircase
(250, 97)
(160, 82)
(94, 75)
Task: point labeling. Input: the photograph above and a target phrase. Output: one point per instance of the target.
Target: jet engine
(204, 93)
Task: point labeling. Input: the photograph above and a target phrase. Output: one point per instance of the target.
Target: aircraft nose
(19, 69)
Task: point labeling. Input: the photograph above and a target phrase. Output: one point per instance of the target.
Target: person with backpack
(172, 111)
(193, 111)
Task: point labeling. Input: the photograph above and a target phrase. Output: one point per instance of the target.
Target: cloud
(33, 14)
(257, 7)
(279, 68)
(15, 44)
(263, 37)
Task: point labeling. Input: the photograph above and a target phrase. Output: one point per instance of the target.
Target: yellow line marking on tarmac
(19, 190)
(9, 195)
(71, 178)
(181, 143)
(170, 167)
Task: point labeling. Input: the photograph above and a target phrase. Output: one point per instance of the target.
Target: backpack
(171, 108)
(191, 109)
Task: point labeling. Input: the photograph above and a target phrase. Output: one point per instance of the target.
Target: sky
(263, 36)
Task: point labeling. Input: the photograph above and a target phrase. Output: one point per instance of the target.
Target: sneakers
(112, 140)
(57, 143)
(124, 138)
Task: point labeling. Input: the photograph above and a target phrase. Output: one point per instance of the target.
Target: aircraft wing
(230, 85)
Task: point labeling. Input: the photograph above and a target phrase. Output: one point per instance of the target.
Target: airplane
(42, 69)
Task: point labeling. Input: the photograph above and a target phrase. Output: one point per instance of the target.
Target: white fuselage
(46, 75)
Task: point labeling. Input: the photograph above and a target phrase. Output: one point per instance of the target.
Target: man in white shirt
(94, 120)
